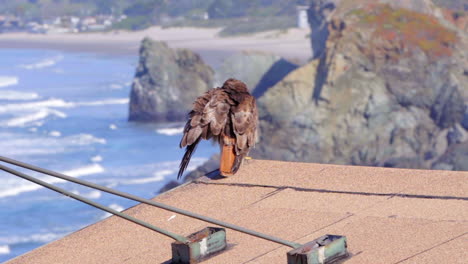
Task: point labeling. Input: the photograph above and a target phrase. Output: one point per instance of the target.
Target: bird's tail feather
(189, 150)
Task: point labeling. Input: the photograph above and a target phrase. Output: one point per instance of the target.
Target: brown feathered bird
(228, 115)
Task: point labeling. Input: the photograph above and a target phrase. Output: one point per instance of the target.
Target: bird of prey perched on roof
(229, 116)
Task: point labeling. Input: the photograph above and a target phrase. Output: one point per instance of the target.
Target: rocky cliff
(166, 82)
(258, 70)
(388, 89)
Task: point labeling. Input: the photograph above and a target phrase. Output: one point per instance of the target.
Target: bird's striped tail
(189, 150)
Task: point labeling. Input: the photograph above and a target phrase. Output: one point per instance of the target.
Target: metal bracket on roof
(200, 246)
(323, 250)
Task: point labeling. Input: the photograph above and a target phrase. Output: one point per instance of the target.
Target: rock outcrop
(258, 70)
(387, 90)
(166, 82)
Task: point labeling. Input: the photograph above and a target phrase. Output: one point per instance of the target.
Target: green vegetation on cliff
(401, 30)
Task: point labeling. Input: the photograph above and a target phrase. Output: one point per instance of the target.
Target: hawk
(229, 116)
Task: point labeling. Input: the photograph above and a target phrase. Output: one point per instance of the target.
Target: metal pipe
(94, 204)
(153, 203)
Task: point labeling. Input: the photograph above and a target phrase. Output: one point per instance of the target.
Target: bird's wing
(206, 120)
(216, 112)
(245, 119)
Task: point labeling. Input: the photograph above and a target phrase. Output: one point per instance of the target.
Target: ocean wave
(18, 96)
(111, 101)
(91, 195)
(12, 145)
(18, 187)
(55, 133)
(32, 118)
(157, 177)
(116, 86)
(34, 238)
(85, 171)
(48, 62)
(170, 131)
(96, 159)
(58, 103)
(85, 139)
(116, 207)
(45, 104)
(4, 250)
(8, 81)
(132, 175)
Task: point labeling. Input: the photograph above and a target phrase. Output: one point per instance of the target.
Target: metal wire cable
(94, 204)
(153, 203)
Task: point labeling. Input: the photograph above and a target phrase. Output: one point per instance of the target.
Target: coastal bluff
(375, 95)
(166, 82)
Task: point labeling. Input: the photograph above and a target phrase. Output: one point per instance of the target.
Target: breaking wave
(48, 62)
(12, 145)
(157, 177)
(14, 189)
(19, 96)
(34, 238)
(8, 81)
(170, 131)
(90, 195)
(59, 103)
(114, 206)
(27, 119)
(5, 250)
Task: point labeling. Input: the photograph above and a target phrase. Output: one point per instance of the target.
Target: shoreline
(292, 45)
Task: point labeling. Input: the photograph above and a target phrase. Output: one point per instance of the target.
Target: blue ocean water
(67, 112)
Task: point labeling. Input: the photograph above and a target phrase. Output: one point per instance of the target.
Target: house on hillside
(302, 17)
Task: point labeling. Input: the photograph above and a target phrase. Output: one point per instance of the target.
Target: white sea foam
(5, 250)
(91, 195)
(27, 187)
(8, 81)
(86, 139)
(58, 103)
(45, 104)
(170, 131)
(55, 133)
(96, 159)
(19, 96)
(115, 86)
(132, 175)
(48, 62)
(27, 119)
(111, 101)
(84, 171)
(116, 207)
(157, 177)
(12, 145)
(34, 238)
(8, 190)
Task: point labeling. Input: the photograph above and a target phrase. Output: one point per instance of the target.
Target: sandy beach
(292, 44)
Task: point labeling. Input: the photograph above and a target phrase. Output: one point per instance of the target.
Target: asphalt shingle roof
(387, 215)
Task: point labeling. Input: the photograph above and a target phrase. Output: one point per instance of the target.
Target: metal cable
(153, 203)
(94, 204)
